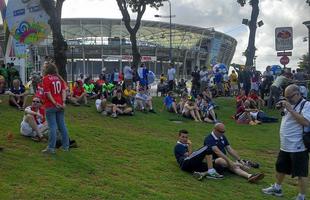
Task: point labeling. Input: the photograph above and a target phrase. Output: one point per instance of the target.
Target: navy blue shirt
(179, 152)
(20, 90)
(221, 143)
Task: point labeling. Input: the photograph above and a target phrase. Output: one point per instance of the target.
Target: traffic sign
(284, 38)
(284, 60)
(289, 53)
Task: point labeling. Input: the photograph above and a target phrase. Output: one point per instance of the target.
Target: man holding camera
(293, 157)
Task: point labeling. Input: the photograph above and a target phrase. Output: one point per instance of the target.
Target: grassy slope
(128, 158)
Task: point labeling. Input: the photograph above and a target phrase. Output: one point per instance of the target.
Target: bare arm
(232, 152)
(298, 117)
(220, 154)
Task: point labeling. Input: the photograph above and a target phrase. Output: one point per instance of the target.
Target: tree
(54, 8)
(250, 51)
(139, 7)
(304, 62)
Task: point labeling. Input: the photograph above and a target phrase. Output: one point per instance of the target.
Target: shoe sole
(215, 178)
(274, 194)
(256, 178)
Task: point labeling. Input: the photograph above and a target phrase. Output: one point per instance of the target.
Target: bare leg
(24, 99)
(236, 170)
(13, 100)
(302, 184)
(279, 178)
(192, 112)
(30, 120)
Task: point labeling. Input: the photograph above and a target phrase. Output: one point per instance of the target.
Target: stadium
(103, 44)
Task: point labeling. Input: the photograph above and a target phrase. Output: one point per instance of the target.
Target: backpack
(305, 134)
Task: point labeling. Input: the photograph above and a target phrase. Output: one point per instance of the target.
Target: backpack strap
(301, 107)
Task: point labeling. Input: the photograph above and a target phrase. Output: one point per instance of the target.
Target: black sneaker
(251, 164)
(254, 178)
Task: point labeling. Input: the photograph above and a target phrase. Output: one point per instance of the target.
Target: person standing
(128, 75)
(195, 81)
(55, 91)
(171, 76)
(204, 79)
(293, 158)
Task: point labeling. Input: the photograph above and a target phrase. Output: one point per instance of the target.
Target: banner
(27, 21)
(284, 38)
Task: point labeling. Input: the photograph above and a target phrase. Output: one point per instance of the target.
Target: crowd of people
(128, 92)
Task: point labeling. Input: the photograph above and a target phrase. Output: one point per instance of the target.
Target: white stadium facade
(95, 44)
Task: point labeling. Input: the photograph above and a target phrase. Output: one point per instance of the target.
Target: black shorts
(194, 162)
(295, 164)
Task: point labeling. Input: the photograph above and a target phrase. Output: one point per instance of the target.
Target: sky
(225, 16)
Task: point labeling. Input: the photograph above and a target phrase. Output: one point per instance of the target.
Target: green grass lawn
(129, 158)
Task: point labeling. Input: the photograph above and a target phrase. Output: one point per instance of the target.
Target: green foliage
(130, 158)
(304, 62)
(136, 4)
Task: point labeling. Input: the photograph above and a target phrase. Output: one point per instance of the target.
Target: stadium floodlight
(245, 21)
(260, 23)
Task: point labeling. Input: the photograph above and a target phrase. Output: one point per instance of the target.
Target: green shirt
(89, 87)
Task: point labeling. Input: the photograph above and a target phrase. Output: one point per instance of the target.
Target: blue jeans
(263, 117)
(56, 119)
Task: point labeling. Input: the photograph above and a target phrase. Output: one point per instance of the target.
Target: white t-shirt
(291, 131)
(171, 74)
(127, 72)
(203, 76)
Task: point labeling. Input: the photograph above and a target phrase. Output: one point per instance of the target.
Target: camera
(279, 105)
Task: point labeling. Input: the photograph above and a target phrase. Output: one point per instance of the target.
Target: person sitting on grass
(169, 103)
(241, 97)
(143, 101)
(34, 124)
(207, 112)
(90, 88)
(197, 162)
(103, 106)
(120, 105)
(182, 102)
(257, 100)
(129, 94)
(191, 110)
(207, 95)
(107, 89)
(18, 95)
(218, 144)
(79, 93)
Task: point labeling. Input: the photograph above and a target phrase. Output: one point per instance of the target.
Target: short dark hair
(183, 131)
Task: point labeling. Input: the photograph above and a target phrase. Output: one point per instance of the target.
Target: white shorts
(26, 130)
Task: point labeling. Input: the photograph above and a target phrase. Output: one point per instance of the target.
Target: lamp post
(170, 29)
(72, 74)
(307, 24)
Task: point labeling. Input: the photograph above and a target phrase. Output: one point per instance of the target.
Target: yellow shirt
(233, 78)
(129, 93)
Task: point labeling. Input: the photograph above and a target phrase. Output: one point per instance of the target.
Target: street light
(307, 24)
(170, 29)
(72, 75)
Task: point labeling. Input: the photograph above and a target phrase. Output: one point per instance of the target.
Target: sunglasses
(36, 101)
(220, 131)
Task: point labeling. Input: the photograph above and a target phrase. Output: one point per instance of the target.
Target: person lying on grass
(191, 110)
(218, 144)
(170, 103)
(120, 105)
(143, 101)
(34, 124)
(197, 162)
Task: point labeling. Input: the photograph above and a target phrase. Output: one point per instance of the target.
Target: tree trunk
(53, 9)
(250, 51)
(135, 50)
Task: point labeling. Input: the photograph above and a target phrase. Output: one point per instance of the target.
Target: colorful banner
(27, 21)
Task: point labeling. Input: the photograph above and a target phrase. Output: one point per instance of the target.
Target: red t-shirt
(55, 86)
(241, 98)
(39, 120)
(253, 96)
(78, 91)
